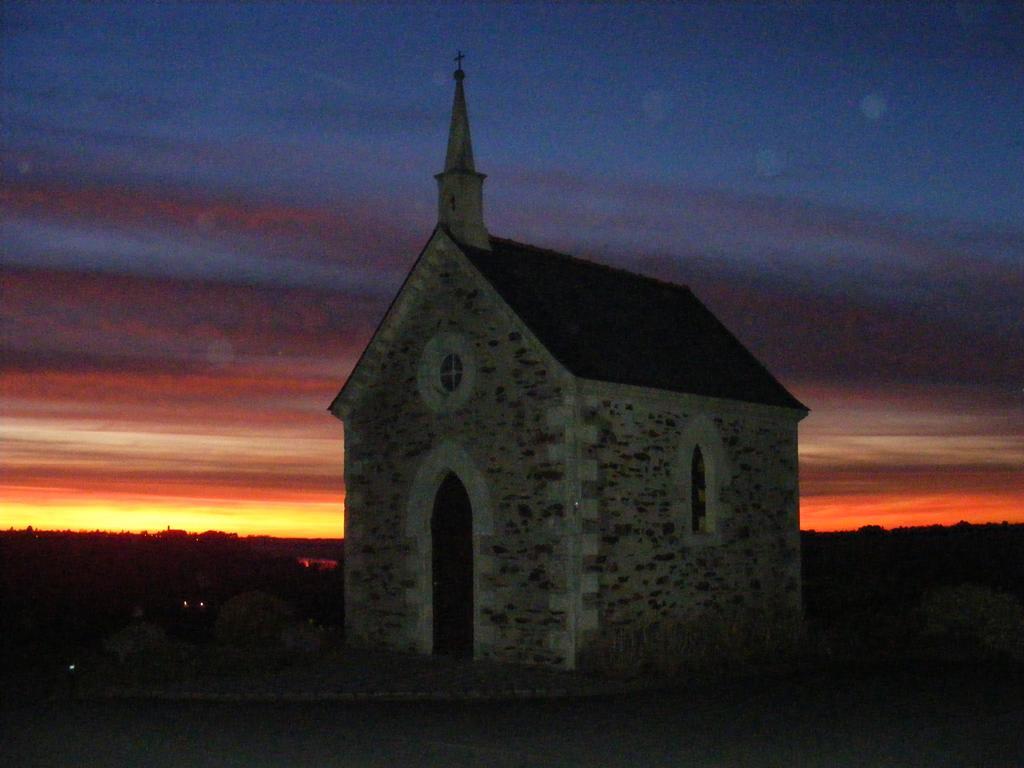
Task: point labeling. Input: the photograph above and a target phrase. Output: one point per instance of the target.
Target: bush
(303, 637)
(867, 634)
(137, 638)
(972, 618)
(252, 620)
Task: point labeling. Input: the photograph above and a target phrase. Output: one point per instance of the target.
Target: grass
(711, 643)
(963, 624)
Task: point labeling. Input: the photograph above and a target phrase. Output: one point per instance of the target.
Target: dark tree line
(62, 588)
(874, 568)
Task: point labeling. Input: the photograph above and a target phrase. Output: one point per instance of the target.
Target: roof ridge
(595, 264)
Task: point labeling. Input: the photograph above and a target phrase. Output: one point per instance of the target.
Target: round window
(451, 372)
(447, 372)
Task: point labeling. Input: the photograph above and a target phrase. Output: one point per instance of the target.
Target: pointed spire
(459, 186)
(460, 147)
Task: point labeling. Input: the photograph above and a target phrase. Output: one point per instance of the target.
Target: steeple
(460, 206)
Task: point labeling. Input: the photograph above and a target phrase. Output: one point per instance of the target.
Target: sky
(206, 208)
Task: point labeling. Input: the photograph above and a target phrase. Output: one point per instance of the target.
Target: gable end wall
(513, 432)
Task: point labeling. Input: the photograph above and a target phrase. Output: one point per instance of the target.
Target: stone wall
(580, 489)
(644, 564)
(507, 442)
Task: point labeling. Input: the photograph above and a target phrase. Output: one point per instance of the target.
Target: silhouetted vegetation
(253, 619)
(62, 589)
(150, 603)
(934, 591)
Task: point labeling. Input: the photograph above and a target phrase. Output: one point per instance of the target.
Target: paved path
(833, 720)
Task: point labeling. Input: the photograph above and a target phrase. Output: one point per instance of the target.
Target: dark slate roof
(612, 325)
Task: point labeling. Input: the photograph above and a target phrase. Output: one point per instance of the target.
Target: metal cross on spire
(458, 59)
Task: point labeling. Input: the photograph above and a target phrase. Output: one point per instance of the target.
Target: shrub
(969, 617)
(303, 637)
(252, 620)
(137, 638)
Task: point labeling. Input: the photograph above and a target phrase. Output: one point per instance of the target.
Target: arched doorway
(451, 529)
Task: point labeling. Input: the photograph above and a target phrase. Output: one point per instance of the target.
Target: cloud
(179, 231)
(819, 292)
(913, 441)
(137, 398)
(810, 335)
(173, 254)
(215, 329)
(121, 107)
(333, 112)
(137, 324)
(310, 164)
(781, 237)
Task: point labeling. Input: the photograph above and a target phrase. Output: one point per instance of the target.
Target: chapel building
(542, 451)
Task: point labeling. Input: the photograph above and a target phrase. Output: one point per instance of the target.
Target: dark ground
(63, 593)
(929, 716)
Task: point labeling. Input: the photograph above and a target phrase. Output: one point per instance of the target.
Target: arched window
(702, 471)
(698, 492)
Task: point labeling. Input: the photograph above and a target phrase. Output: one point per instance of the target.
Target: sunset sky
(206, 208)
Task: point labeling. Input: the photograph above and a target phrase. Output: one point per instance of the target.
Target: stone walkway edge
(351, 696)
(362, 675)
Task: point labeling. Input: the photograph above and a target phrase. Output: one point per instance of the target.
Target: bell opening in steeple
(460, 187)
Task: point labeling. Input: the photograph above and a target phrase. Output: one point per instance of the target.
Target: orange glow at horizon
(840, 513)
(246, 446)
(321, 514)
(296, 515)
(122, 466)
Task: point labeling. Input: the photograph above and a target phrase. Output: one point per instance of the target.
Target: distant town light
(317, 563)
